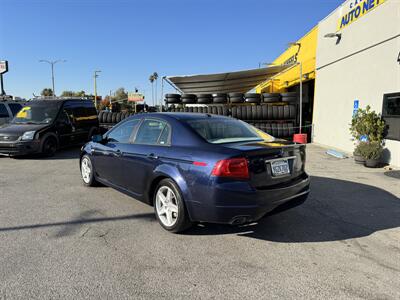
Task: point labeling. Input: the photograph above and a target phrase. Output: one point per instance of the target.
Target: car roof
(59, 100)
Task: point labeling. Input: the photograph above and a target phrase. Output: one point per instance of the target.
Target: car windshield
(37, 113)
(221, 131)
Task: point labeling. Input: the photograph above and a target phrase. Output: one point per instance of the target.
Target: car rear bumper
(239, 203)
(19, 148)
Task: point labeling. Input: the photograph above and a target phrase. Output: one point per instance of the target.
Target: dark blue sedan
(198, 168)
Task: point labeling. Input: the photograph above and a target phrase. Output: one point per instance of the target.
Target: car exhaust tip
(239, 220)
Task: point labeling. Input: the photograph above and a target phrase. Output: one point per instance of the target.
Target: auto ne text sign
(355, 9)
(3, 66)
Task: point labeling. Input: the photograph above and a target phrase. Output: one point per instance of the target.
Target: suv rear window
(220, 131)
(3, 111)
(15, 108)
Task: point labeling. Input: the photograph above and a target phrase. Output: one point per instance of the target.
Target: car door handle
(152, 156)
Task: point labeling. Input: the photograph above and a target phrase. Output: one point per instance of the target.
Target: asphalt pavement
(59, 239)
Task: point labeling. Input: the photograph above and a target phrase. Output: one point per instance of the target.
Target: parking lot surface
(59, 239)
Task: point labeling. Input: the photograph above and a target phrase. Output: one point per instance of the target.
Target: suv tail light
(234, 168)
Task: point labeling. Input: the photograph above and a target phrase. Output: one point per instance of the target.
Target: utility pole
(95, 87)
(52, 63)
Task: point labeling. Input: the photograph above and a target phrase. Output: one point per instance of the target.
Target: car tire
(49, 146)
(189, 100)
(170, 208)
(108, 117)
(280, 112)
(264, 112)
(275, 112)
(114, 118)
(286, 112)
(100, 116)
(173, 100)
(204, 100)
(118, 118)
(87, 173)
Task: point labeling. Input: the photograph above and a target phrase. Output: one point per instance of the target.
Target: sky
(129, 40)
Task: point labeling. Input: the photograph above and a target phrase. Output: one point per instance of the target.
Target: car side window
(153, 132)
(122, 133)
(15, 108)
(3, 111)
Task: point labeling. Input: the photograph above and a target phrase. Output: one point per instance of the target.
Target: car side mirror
(97, 138)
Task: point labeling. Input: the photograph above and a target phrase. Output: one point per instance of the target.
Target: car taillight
(234, 167)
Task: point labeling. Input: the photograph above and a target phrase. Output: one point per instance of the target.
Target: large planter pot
(359, 159)
(371, 163)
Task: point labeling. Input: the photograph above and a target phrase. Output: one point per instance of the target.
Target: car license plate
(280, 167)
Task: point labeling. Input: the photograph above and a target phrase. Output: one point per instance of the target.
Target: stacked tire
(188, 99)
(271, 97)
(220, 98)
(107, 117)
(236, 98)
(290, 97)
(172, 98)
(204, 98)
(252, 98)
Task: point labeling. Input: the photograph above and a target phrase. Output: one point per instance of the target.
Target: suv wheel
(169, 207)
(49, 147)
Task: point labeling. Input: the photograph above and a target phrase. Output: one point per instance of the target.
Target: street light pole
(95, 87)
(52, 63)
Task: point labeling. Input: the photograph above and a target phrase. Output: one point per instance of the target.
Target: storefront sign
(135, 97)
(355, 10)
(3, 66)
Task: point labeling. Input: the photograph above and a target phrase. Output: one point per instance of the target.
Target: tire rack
(278, 119)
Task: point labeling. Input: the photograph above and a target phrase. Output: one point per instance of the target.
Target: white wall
(364, 76)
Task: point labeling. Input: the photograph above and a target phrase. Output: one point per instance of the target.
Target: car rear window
(220, 131)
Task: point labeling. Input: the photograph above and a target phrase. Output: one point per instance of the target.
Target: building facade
(357, 66)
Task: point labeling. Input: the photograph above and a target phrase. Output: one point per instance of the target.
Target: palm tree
(155, 76)
(151, 78)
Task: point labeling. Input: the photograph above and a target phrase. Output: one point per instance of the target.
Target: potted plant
(358, 153)
(372, 153)
(367, 129)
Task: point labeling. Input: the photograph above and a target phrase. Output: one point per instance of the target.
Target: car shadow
(65, 153)
(71, 226)
(335, 210)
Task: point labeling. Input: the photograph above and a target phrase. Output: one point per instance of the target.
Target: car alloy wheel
(86, 170)
(166, 206)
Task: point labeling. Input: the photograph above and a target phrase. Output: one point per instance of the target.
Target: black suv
(43, 126)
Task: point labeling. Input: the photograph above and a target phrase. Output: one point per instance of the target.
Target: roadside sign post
(3, 69)
(135, 97)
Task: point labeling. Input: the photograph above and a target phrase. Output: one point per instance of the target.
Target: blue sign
(355, 106)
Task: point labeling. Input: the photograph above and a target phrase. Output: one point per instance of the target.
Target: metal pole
(95, 87)
(301, 95)
(3, 93)
(162, 94)
(52, 77)
(155, 97)
(95, 90)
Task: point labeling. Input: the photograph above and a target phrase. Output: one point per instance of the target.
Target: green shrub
(367, 123)
(372, 150)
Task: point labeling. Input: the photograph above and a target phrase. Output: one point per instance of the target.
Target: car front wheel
(87, 171)
(169, 207)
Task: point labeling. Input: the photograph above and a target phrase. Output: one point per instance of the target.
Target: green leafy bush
(368, 123)
(372, 150)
